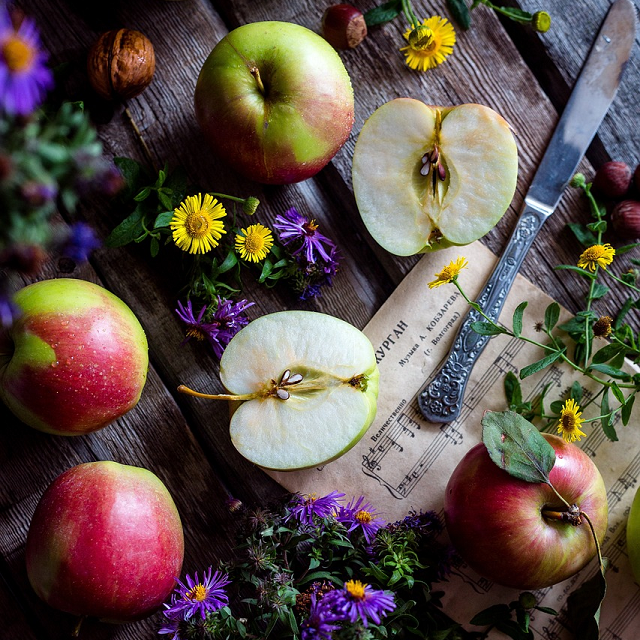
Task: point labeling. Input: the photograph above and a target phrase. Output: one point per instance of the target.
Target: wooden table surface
(525, 76)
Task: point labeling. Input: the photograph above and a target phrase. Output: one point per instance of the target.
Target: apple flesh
(106, 541)
(496, 521)
(75, 360)
(304, 387)
(274, 101)
(426, 178)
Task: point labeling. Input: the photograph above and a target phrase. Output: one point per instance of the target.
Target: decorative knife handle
(441, 399)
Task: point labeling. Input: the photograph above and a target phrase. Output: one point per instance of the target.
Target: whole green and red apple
(496, 521)
(75, 360)
(105, 541)
(274, 101)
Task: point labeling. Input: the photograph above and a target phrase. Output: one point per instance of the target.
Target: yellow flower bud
(421, 38)
(541, 21)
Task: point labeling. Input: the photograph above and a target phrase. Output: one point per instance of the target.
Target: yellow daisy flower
(598, 254)
(196, 224)
(254, 242)
(450, 272)
(570, 421)
(429, 43)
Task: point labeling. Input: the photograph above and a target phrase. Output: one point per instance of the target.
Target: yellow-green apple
(633, 536)
(504, 528)
(428, 177)
(304, 387)
(75, 360)
(274, 100)
(105, 541)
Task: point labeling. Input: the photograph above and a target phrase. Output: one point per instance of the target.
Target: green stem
(595, 539)
(224, 195)
(411, 17)
(76, 630)
(626, 284)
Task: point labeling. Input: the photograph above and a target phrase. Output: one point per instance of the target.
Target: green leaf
(610, 371)
(155, 247)
(142, 195)
(599, 290)
(177, 184)
(551, 315)
(491, 615)
(162, 176)
(583, 606)
(513, 630)
(487, 328)
(534, 367)
(163, 219)
(626, 307)
(570, 267)
(617, 392)
(229, 262)
(133, 173)
(626, 248)
(627, 408)
(605, 421)
(128, 230)
(512, 389)
(556, 406)
(460, 13)
(383, 13)
(164, 198)
(583, 235)
(516, 446)
(598, 226)
(517, 318)
(606, 353)
(549, 610)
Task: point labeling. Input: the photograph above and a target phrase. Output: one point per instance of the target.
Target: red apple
(496, 523)
(274, 101)
(105, 541)
(75, 360)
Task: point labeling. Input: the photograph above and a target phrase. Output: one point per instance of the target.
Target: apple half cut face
(304, 387)
(427, 178)
(316, 383)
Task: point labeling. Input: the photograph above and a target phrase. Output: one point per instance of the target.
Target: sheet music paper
(404, 462)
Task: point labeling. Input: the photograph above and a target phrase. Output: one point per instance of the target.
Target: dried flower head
(602, 327)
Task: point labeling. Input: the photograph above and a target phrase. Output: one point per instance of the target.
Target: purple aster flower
(81, 242)
(423, 523)
(8, 311)
(360, 514)
(319, 624)
(307, 506)
(171, 626)
(358, 602)
(198, 597)
(24, 78)
(294, 228)
(226, 322)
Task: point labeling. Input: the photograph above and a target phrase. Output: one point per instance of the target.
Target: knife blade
(594, 90)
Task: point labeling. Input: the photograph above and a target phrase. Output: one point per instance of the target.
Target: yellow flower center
(311, 497)
(568, 422)
(422, 39)
(592, 254)
(363, 517)
(197, 224)
(194, 332)
(17, 54)
(254, 243)
(197, 594)
(355, 589)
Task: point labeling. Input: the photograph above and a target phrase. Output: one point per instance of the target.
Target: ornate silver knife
(441, 399)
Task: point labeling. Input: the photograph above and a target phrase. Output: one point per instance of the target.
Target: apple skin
(633, 537)
(106, 541)
(289, 131)
(495, 522)
(75, 360)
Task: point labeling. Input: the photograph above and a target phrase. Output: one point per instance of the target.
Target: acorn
(121, 64)
(343, 26)
(612, 180)
(625, 219)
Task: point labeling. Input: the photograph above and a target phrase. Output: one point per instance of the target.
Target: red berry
(625, 219)
(612, 180)
(343, 26)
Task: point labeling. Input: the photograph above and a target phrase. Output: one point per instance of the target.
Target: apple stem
(208, 396)
(255, 72)
(572, 515)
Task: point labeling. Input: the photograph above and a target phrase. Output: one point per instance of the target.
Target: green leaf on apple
(583, 605)
(516, 446)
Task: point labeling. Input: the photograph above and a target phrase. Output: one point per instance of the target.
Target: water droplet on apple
(54, 364)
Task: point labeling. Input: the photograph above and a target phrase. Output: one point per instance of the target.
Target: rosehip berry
(343, 26)
(625, 219)
(612, 180)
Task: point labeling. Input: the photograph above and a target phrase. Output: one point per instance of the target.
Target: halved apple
(305, 386)
(426, 177)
